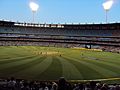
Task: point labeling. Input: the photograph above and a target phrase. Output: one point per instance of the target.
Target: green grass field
(50, 63)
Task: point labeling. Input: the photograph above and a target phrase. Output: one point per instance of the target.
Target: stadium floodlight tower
(107, 6)
(34, 7)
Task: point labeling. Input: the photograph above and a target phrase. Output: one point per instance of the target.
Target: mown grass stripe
(113, 61)
(110, 66)
(103, 71)
(13, 52)
(9, 57)
(85, 70)
(69, 70)
(53, 72)
(104, 59)
(102, 63)
(4, 62)
(17, 70)
(36, 69)
(17, 64)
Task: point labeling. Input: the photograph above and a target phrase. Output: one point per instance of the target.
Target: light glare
(107, 5)
(34, 7)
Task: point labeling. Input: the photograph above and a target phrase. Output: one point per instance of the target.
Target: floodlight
(34, 7)
(107, 6)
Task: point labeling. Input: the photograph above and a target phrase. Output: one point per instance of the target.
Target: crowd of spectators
(16, 42)
(112, 49)
(61, 84)
(57, 31)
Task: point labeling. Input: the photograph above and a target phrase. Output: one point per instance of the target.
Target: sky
(59, 11)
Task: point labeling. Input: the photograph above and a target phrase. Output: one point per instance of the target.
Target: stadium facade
(62, 35)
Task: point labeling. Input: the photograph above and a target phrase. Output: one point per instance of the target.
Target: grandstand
(66, 35)
(28, 51)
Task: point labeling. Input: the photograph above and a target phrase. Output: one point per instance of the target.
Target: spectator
(62, 84)
(11, 83)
